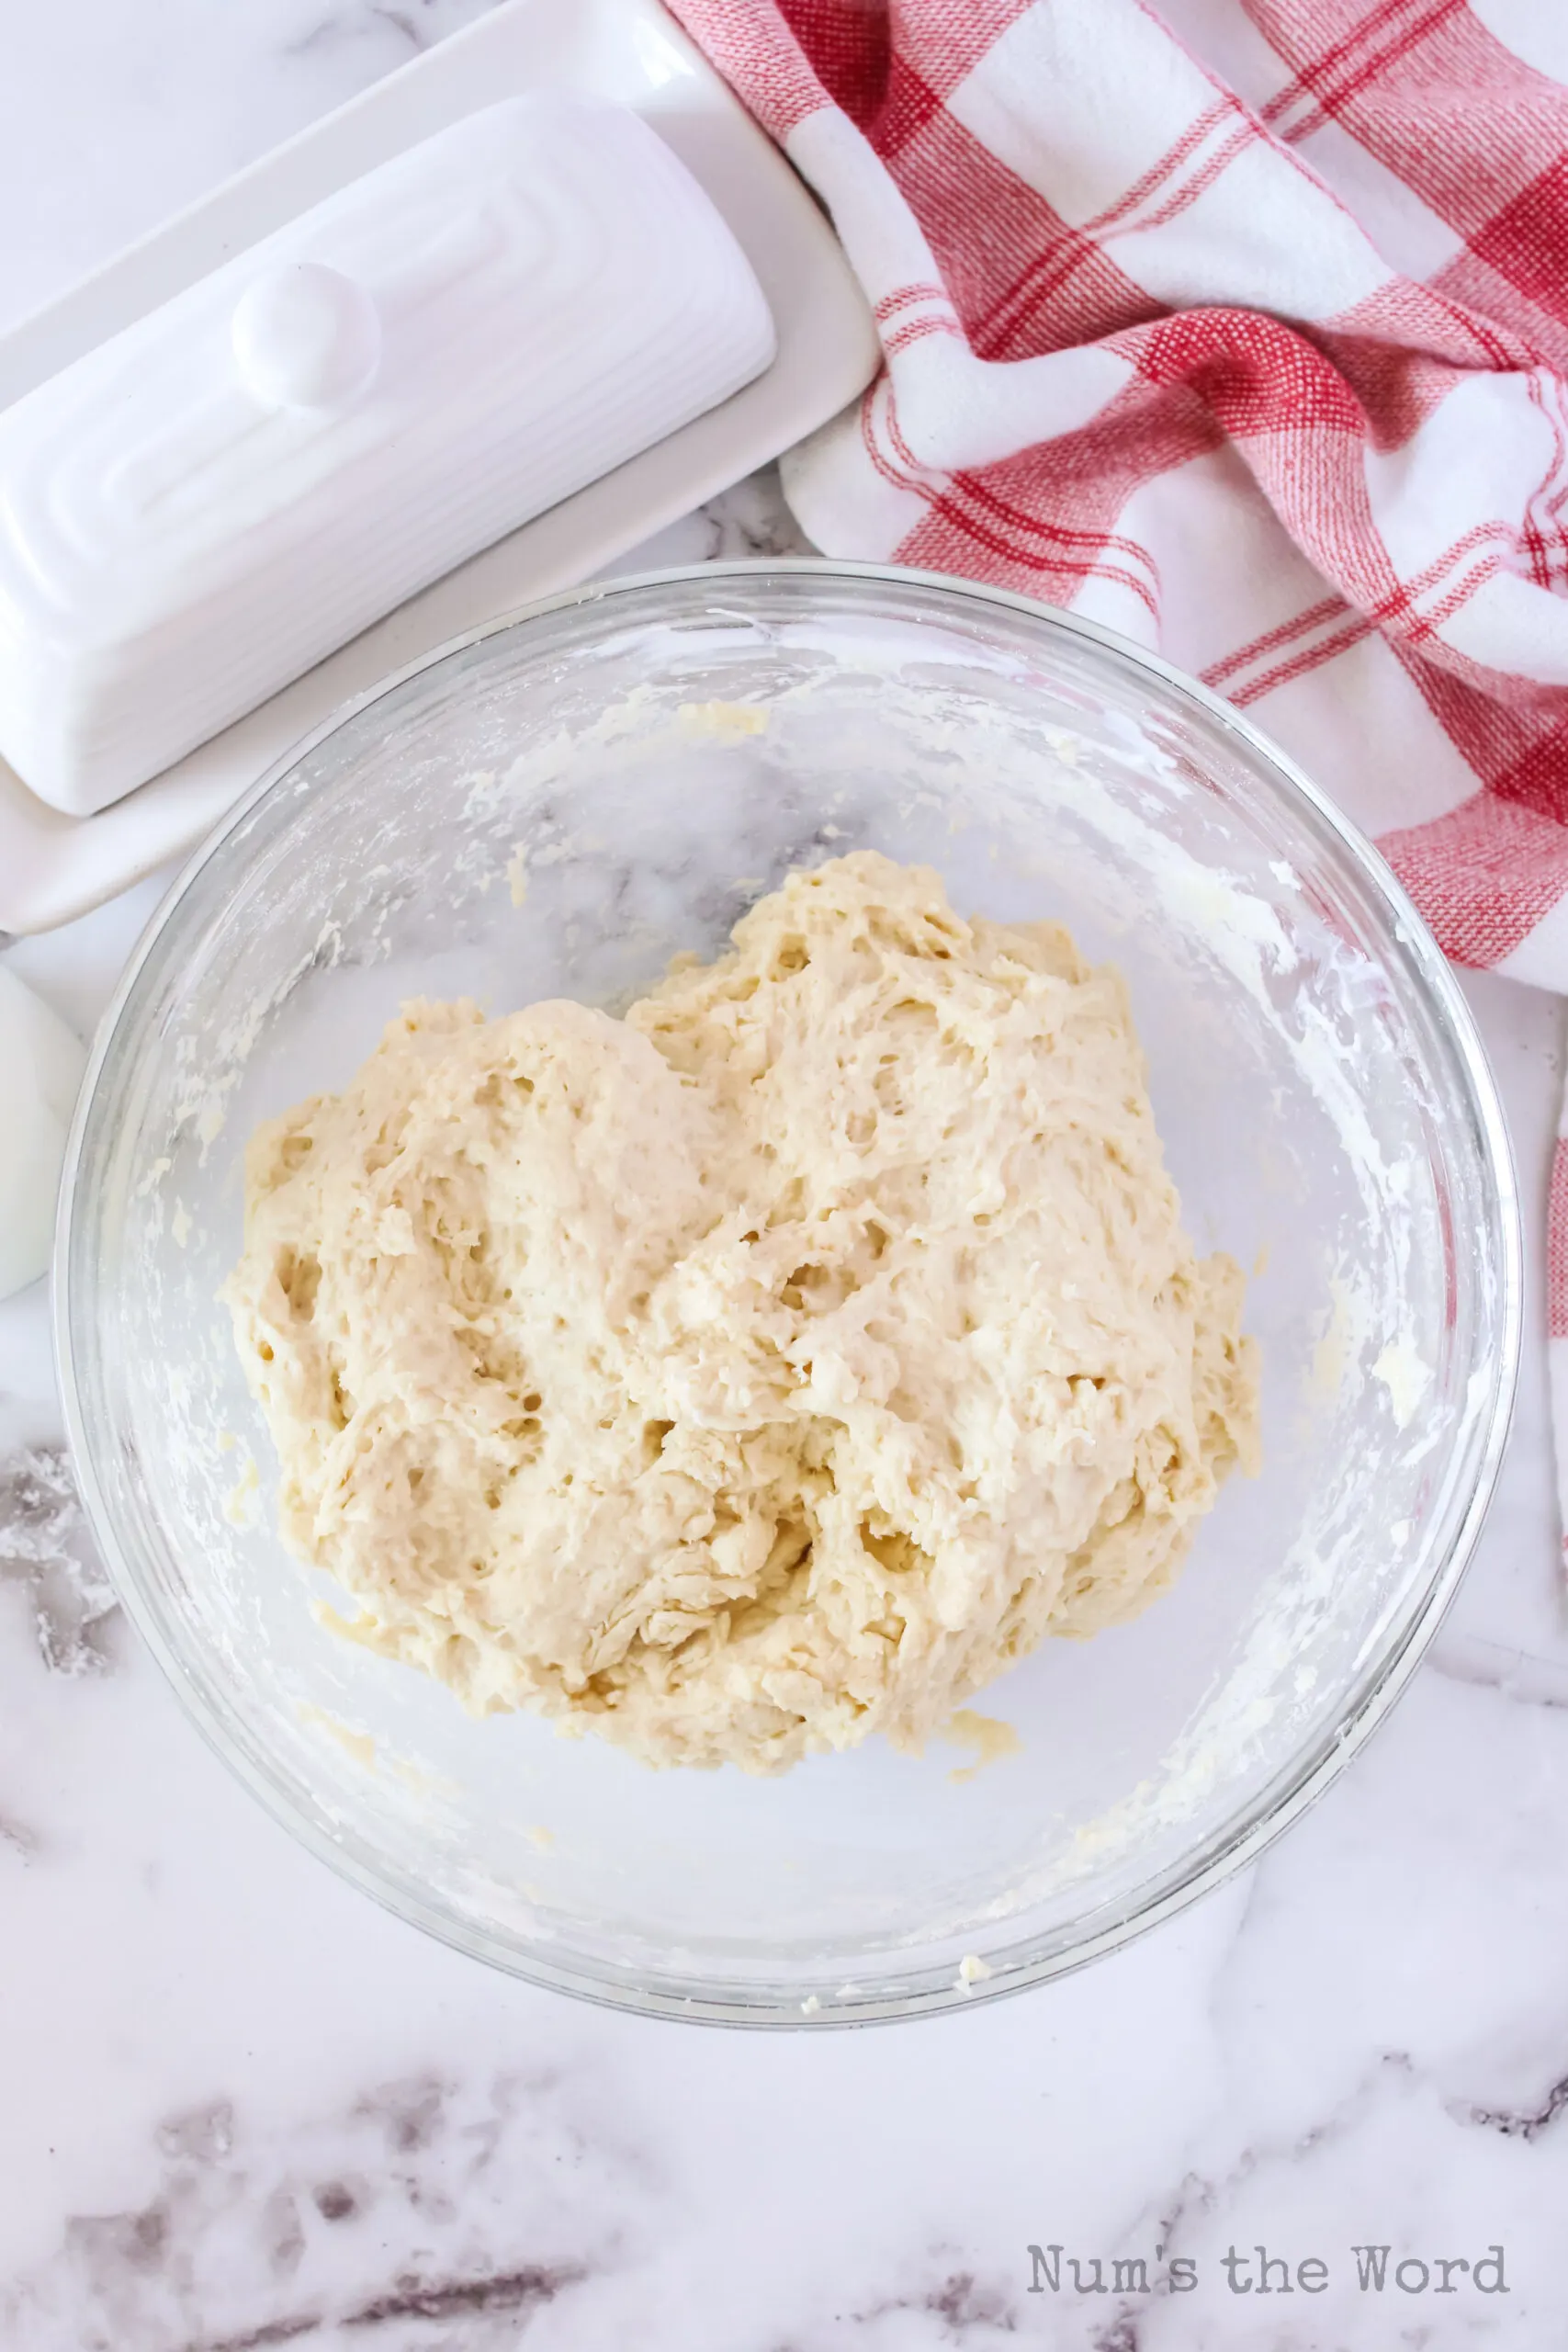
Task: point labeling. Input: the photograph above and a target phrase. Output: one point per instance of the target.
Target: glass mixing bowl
(1328, 1115)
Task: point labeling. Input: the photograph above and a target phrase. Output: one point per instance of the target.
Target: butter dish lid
(204, 507)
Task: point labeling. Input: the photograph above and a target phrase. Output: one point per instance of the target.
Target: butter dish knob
(305, 336)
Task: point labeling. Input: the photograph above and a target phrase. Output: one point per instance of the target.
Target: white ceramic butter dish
(198, 511)
(54, 867)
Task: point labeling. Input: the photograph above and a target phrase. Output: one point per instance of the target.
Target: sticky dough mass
(767, 1368)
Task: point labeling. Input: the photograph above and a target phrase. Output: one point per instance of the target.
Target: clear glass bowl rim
(1408, 937)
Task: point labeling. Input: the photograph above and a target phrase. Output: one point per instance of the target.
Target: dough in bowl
(773, 1366)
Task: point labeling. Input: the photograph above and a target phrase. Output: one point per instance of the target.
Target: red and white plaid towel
(1241, 325)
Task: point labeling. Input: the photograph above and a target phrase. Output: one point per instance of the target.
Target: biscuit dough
(767, 1368)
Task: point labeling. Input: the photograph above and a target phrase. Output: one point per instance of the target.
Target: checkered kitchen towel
(1241, 325)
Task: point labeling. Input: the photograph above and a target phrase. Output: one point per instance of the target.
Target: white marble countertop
(240, 2107)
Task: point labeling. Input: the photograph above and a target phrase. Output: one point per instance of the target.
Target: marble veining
(428, 2203)
(45, 1548)
(416, 26)
(240, 2107)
